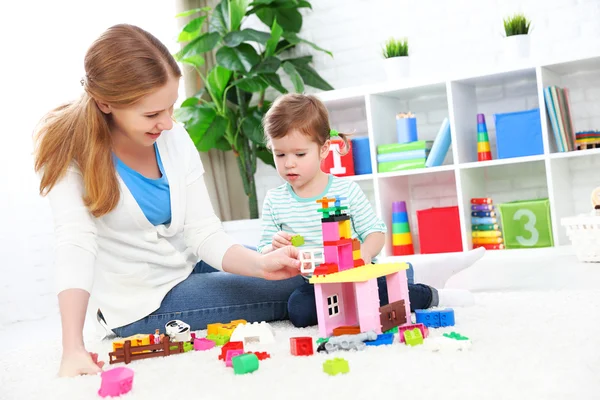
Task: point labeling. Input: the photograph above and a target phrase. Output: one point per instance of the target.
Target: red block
(301, 346)
(439, 230)
(336, 164)
(230, 346)
(403, 250)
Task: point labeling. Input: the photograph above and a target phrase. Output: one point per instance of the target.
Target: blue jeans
(205, 298)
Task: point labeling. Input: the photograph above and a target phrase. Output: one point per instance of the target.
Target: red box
(346, 161)
(439, 230)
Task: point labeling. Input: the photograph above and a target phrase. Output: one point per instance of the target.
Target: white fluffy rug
(525, 344)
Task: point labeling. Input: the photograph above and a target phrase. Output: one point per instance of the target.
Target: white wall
(43, 45)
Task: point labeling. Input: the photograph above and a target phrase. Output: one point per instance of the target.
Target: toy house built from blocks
(346, 290)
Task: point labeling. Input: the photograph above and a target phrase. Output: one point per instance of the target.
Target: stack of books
(559, 113)
(401, 156)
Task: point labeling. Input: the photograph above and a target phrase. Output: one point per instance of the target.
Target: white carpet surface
(527, 342)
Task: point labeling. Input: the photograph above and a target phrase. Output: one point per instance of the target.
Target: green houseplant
(396, 61)
(516, 29)
(227, 113)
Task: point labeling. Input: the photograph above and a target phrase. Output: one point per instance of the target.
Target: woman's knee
(302, 310)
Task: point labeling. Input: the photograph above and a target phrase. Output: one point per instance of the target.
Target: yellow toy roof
(360, 274)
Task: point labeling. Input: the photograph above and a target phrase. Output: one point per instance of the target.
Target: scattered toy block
(435, 318)
(202, 344)
(346, 330)
(297, 240)
(413, 337)
(383, 339)
(187, 346)
(219, 340)
(116, 382)
(456, 336)
(244, 363)
(230, 354)
(322, 340)
(421, 327)
(256, 332)
(336, 366)
(447, 317)
(301, 346)
(262, 355)
(230, 346)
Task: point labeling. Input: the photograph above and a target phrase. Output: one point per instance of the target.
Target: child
(297, 132)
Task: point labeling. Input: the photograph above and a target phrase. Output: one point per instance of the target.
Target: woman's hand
(282, 263)
(79, 362)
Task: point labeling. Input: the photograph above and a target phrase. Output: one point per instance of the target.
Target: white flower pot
(397, 67)
(516, 47)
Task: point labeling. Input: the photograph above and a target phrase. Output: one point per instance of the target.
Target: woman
(132, 213)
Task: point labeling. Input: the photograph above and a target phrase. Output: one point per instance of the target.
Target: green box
(526, 224)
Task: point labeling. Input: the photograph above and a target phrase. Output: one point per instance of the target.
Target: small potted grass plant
(396, 61)
(516, 28)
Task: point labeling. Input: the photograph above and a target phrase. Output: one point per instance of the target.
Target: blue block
(361, 155)
(447, 317)
(429, 318)
(385, 338)
(399, 217)
(519, 134)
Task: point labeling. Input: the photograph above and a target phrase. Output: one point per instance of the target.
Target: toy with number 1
(337, 163)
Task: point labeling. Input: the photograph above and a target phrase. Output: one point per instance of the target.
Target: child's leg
(436, 272)
(302, 307)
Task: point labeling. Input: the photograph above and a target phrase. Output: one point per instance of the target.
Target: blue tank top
(152, 195)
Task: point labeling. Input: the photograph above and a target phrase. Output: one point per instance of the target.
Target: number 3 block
(526, 224)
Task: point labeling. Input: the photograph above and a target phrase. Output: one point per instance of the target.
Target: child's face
(298, 158)
(143, 122)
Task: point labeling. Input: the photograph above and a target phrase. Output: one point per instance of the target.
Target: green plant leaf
(222, 144)
(289, 68)
(265, 156)
(304, 4)
(276, 32)
(197, 120)
(233, 39)
(266, 66)
(191, 12)
(196, 60)
(289, 19)
(191, 29)
(219, 18)
(216, 82)
(305, 60)
(252, 127)
(189, 102)
(295, 39)
(239, 59)
(213, 135)
(251, 84)
(198, 46)
(310, 76)
(275, 82)
(237, 10)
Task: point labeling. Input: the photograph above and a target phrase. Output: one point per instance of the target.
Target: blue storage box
(519, 134)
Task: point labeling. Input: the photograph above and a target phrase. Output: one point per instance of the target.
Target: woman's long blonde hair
(123, 65)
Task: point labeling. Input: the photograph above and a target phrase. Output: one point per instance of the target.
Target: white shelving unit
(567, 178)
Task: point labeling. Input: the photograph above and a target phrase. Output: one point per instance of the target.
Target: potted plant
(396, 61)
(516, 28)
(226, 114)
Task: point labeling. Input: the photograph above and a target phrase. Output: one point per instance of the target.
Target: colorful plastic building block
(301, 346)
(456, 336)
(424, 330)
(202, 344)
(262, 355)
(483, 142)
(383, 339)
(230, 354)
(230, 346)
(435, 318)
(219, 340)
(346, 330)
(402, 243)
(297, 240)
(256, 332)
(413, 337)
(336, 366)
(245, 363)
(349, 342)
(187, 346)
(116, 382)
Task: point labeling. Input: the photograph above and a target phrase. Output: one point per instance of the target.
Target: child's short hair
(302, 112)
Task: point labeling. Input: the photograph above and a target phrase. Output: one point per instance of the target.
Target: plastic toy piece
(346, 330)
(297, 240)
(262, 355)
(202, 344)
(413, 337)
(435, 318)
(116, 382)
(349, 342)
(231, 354)
(136, 341)
(178, 331)
(402, 243)
(187, 346)
(245, 363)
(230, 346)
(219, 328)
(256, 332)
(393, 314)
(421, 327)
(130, 353)
(483, 142)
(322, 340)
(301, 346)
(336, 366)
(456, 336)
(383, 339)
(219, 340)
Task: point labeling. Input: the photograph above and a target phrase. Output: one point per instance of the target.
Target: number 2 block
(526, 224)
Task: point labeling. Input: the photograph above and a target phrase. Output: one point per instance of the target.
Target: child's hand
(281, 239)
(79, 362)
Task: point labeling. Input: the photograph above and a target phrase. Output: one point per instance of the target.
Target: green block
(297, 240)
(526, 224)
(322, 340)
(400, 227)
(219, 340)
(187, 346)
(413, 337)
(482, 137)
(245, 363)
(456, 336)
(336, 366)
(393, 330)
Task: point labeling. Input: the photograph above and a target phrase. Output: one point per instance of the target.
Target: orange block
(346, 330)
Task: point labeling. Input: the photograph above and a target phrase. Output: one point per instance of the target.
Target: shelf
(565, 178)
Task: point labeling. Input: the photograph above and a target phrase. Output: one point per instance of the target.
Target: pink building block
(424, 330)
(345, 258)
(116, 381)
(231, 354)
(367, 300)
(201, 344)
(331, 255)
(327, 298)
(397, 288)
(331, 231)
